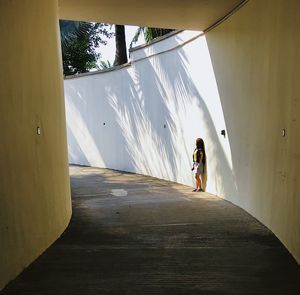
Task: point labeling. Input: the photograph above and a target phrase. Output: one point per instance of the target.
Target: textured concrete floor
(132, 234)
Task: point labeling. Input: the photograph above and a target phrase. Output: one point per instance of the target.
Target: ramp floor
(132, 234)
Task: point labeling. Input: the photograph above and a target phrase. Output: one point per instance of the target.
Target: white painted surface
(176, 89)
(168, 43)
(119, 192)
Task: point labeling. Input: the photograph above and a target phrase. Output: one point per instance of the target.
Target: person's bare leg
(202, 181)
(198, 182)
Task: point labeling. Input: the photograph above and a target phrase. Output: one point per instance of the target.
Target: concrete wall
(256, 58)
(188, 14)
(35, 205)
(240, 77)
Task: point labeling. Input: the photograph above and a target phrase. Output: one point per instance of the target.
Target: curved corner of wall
(256, 59)
(35, 203)
(240, 77)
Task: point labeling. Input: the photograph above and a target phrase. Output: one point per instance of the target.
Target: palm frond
(149, 34)
(136, 36)
(105, 64)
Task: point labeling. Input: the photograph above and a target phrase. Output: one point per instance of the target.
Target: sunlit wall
(145, 118)
(240, 77)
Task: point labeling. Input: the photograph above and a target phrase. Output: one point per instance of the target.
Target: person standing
(199, 159)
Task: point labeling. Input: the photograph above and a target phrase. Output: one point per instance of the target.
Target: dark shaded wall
(35, 204)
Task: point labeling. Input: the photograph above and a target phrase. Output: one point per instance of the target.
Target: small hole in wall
(283, 132)
(165, 125)
(103, 123)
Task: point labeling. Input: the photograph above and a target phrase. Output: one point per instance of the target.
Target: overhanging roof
(176, 14)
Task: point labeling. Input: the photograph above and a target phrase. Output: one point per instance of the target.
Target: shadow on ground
(132, 234)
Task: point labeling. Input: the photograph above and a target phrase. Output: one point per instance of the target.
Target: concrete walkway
(132, 234)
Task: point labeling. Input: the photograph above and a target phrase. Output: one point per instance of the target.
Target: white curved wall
(239, 77)
(153, 111)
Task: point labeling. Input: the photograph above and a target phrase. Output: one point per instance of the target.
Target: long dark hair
(200, 146)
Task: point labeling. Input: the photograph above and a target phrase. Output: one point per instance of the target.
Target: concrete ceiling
(176, 14)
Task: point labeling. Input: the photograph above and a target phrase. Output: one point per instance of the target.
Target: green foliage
(149, 34)
(79, 41)
(105, 64)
